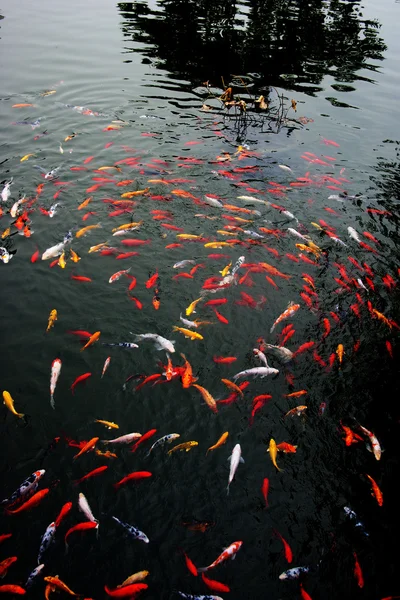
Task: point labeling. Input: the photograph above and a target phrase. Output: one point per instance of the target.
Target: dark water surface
(130, 81)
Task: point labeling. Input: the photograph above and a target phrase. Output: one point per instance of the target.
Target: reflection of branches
(251, 110)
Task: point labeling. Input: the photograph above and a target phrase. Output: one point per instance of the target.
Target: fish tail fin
(116, 486)
(52, 403)
(21, 415)
(201, 569)
(227, 490)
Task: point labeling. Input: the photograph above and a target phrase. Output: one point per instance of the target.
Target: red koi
(63, 513)
(224, 359)
(133, 242)
(389, 348)
(303, 348)
(190, 565)
(35, 256)
(264, 490)
(287, 549)
(142, 439)
(358, 572)
(152, 281)
(319, 359)
(82, 334)
(85, 526)
(220, 317)
(258, 403)
(139, 305)
(80, 278)
(287, 337)
(135, 476)
(304, 594)
(356, 263)
(31, 503)
(215, 586)
(91, 474)
(5, 536)
(126, 255)
(182, 276)
(79, 379)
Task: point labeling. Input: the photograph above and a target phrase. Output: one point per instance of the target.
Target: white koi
(235, 458)
(55, 372)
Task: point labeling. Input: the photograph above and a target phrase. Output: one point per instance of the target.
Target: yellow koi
(127, 226)
(273, 452)
(185, 446)
(52, 319)
(74, 256)
(193, 335)
(225, 270)
(85, 203)
(84, 230)
(61, 261)
(316, 225)
(192, 306)
(9, 402)
(6, 233)
(137, 193)
(27, 156)
(108, 424)
(220, 442)
(305, 248)
(98, 247)
(223, 232)
(49, 93)
(106, 168)
(216, 244)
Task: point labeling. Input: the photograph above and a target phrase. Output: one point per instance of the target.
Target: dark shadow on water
(280, 43)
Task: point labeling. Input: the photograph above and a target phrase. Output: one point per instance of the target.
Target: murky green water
(128, 83)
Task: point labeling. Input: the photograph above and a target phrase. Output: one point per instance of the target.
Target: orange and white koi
(376, 448)
(118, 274)
(290, 311)
(229, 552)
(298, 410)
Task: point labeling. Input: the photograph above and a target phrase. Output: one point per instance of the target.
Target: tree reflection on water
(281, 42)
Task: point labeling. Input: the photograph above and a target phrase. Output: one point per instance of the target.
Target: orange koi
(207, 397)
(340, 352)
(232, 386)
(88, 446)
(219, 443)
(93, 338)
(187, 375)
(376, 491)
